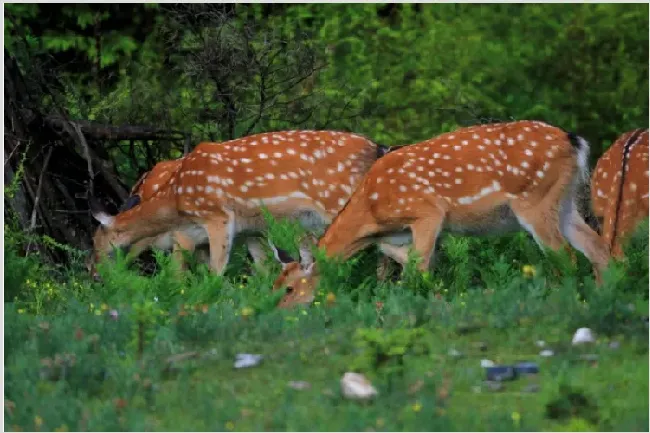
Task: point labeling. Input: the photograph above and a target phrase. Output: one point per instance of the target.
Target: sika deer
(219, 189)
(477, 180)
(619, 189)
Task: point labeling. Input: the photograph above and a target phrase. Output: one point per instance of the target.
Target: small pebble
(582, 336)
(245, 360)
(355, 386)
(486, 363)
(454, 353)
(299, 385)
(589, 357)
(546, 353)
(480, 345)
(540, 343)
(492, 385)
(533, 387)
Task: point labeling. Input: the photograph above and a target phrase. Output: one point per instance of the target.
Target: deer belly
(398, 239)
(495, 221)
(197, 234)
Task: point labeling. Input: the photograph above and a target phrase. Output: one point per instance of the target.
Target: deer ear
(281, 255)
(99, 212)
(305, 249)
(130, 203)
(309, 270)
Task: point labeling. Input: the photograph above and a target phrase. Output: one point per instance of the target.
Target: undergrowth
(86, 355)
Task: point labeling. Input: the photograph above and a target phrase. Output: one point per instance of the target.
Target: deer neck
(149, 219)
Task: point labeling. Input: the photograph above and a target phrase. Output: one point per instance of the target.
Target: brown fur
(218, 189)
(474, 180)
(621, 204)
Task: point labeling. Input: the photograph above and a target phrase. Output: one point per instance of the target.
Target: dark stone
(501, 373)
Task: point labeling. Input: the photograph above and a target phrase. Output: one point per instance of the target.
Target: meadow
(97, 94)
(157, 352)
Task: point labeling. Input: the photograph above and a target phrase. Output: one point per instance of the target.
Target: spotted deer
(144, 190)
(476, 180)
(619, 188)
(219, 189)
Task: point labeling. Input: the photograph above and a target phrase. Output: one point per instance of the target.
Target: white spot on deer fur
(457, 147)
(458, 181)
(511, 142)
(230, 169)
(458, 169)
(487, 141)
(528, 152)
(633, 187)
(533, 144)
(540, 174)
(436, 155)
(340, 167)
(347, 189)
(402, 188)
(292, 175)
(263, 156)
(520, 137)
(400, 201)
(374, 196)
(475, 136)
(549, 154)
(446, 157)
(179, 190)
(277, 154)
(155, 187)
(341, 202)
(549, 137)
(303, 144)
(470, 167)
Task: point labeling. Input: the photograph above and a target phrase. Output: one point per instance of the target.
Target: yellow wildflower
(247, 311)
(417, 407)
(516, 417)
(529, 271)
(331, 297)
(38, 421)
(230, 425)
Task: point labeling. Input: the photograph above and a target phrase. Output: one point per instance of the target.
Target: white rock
(454, 353)
(355, 386)
(299, 385)
(244, 360)
(546, 353)
(540, 343)
(486, 363)
(583, 335)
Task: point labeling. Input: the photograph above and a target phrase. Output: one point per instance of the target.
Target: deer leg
(584, 239)
(221, 232)
(256, 251)
(398, 254)
(181, 243)
(425, 234)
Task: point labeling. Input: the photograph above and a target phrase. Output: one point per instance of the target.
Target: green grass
(70, 365)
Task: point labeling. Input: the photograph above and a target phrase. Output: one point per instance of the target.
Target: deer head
(477, 180)
(296, 276)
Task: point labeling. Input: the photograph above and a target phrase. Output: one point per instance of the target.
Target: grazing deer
(476, 180)
(219, 189)
(619, 190)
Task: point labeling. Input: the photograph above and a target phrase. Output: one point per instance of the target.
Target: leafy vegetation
(156, 352)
